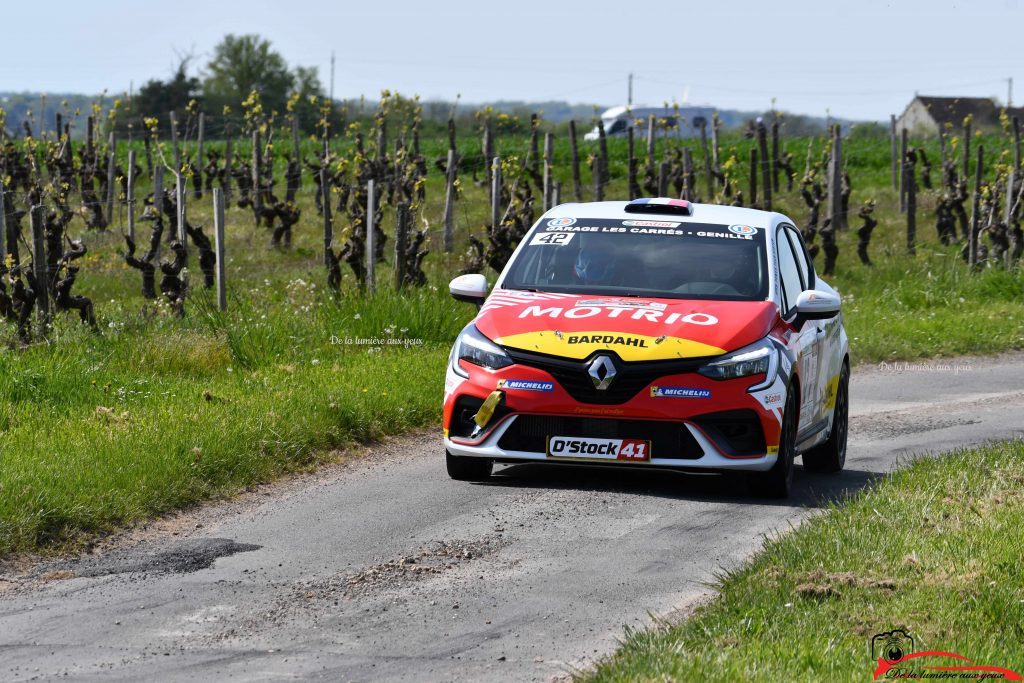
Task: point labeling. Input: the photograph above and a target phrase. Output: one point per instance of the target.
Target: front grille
(736, 432)
(631, 378)
(668, 439)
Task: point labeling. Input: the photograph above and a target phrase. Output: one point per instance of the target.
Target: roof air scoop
(661, 205)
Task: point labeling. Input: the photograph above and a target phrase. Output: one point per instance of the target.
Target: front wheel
(467, 469)
(778, 481)
(831, 455)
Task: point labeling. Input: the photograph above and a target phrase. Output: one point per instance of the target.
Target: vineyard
(186, 299)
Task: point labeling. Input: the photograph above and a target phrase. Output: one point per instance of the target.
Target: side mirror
(814, 304)
(469, 288)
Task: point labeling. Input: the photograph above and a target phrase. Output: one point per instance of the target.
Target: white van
(683, 122)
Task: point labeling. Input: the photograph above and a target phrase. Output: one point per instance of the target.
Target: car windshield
(638, 257)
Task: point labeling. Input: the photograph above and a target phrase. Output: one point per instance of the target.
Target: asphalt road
(387, 570)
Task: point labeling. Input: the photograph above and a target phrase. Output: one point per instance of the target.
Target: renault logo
(602, 372)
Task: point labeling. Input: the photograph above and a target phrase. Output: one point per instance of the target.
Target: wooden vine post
(257, 196)
(487, 146)
(198, 180)
(631, 163)
(775, 154)
(130, 199)
(835, 180)
(325, 189)
(911, 201)
(575, 152)
(371, 262)
(548, 179)
(37, 217)
(495, 192)
(229, 149)
(111, 165)
(766, 170)
(752, 200)
(649, 168)
(972, 246)
(707, 159)
(449, 201)
(174, 144)
(688, 192)
(179, 198)
(967, 147)
(903, 170)
(218, 236)
(3, 227)
(401, 240)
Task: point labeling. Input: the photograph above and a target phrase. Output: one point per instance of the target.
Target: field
(152, 412)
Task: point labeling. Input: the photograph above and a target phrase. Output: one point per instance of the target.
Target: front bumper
(711, 458)
(718, 425)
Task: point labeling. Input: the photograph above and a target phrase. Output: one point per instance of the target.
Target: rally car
(652, 333)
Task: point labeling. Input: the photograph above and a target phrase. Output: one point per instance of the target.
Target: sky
(859, 60)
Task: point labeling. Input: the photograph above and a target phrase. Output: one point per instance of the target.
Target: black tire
(467, 469)
(831, 455)
(778, 481)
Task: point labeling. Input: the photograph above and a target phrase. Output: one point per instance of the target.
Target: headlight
(477, 349)
(758, 358)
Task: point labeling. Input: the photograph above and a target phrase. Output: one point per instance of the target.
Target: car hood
(637, 329)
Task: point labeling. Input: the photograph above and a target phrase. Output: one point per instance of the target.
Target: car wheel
(778, 481)
(831, 455)
(467, 469)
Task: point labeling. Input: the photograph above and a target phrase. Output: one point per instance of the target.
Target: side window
(806, 274)
(789, 272)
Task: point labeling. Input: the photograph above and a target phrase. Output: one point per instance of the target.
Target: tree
(307, 85)
(245, 63)
(158, 98)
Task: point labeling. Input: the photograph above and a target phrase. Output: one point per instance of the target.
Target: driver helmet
(596, 262)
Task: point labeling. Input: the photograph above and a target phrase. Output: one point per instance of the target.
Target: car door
(794, 276)
(826, 339)
(830, 350)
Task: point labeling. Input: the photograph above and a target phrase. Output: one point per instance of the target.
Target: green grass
(934, 549)
(147, 416)
(152, 413)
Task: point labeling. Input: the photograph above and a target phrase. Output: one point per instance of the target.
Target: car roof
(702, 213)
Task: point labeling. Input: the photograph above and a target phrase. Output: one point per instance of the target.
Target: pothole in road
(304, 600)
(432, 560)
(899, 424)
(182, 557)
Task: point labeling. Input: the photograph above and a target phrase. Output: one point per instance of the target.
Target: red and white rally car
(653, 333)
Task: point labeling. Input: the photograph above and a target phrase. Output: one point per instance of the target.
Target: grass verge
(100, 430)
(934, 549)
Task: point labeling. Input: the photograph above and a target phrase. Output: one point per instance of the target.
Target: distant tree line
(240, 65)
(243, 64)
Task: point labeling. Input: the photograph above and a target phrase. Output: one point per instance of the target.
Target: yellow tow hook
(486, 412)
